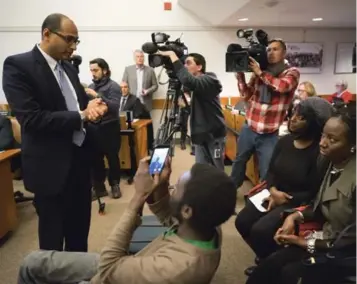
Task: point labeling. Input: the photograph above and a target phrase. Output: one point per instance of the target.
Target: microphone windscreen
(149, 48)
(234, 47)
(77, 59)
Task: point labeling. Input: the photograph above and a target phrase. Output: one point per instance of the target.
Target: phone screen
(158, 160)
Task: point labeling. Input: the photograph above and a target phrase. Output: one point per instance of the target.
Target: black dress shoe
(249, 270)
(116, 194)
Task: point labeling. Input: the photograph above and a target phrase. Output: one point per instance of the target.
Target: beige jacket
(168, 260)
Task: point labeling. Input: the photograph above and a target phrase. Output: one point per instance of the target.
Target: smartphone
(265, 204)
(158, 159)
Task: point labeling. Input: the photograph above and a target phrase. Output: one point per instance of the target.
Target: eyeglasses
(68, 38)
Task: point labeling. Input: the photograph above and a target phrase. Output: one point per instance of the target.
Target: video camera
(237, 57)
(160, 41)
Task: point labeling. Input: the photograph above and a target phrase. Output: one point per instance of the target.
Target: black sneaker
(116, 194)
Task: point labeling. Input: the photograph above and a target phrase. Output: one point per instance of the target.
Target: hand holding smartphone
(158, 159)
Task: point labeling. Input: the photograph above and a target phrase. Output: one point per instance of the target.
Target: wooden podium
(139, 129)
(8, 215)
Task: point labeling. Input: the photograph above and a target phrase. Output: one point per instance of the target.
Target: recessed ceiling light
(243, 19)
(317, 19)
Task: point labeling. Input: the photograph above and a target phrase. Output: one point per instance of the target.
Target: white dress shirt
(52, 63)
(139, 79)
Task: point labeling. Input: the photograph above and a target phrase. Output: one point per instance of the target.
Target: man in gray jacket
(208, 129)
(107, 130)
(141, 80)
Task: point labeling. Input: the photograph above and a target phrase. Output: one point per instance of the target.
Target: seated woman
(334, 206)
(290, 177)
(306, 90)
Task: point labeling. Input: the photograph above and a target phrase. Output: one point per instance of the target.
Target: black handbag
(337, 265)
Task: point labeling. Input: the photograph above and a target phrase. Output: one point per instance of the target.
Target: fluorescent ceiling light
(243, 19)
(317, 19)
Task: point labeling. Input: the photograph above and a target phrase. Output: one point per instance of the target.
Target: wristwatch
(311, 245)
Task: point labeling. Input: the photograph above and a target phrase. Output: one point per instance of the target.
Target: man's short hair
(102, 64)
(199, 60)
(211, 194)
(279, 40)
(53, 22)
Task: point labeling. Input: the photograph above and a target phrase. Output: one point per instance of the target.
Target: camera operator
(268, 95)
(208, 128)
(107, 131)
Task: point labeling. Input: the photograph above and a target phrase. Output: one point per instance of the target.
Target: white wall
(114, 29)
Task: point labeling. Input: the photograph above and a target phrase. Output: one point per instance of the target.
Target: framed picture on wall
(305, 56)
(345, 60)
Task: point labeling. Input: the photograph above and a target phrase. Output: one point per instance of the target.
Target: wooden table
(8, 216)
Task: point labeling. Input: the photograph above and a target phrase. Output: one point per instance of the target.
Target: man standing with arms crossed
(268, 95)
(45, 94)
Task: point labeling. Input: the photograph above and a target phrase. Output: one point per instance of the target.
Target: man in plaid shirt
(268, 96)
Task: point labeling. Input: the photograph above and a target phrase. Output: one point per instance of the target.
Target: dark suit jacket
(6, 134)
(139, 110)
(47, 127)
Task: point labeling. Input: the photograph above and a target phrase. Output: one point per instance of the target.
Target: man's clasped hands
(95, 110)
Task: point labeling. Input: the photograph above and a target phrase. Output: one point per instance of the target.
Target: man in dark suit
(129, 102)
(45, 94)
(6, 135)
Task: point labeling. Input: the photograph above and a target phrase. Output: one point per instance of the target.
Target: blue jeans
(250, 142)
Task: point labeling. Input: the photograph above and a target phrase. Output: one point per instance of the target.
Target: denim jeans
(250, 142)
(46, 267)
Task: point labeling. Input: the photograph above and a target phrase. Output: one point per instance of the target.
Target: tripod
(170, 117)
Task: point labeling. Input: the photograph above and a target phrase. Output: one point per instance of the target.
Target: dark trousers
(282, 267)
(248, 143)
(329, 273)
(185, 113)
(64, 219)
(108, 141)
(258, 228)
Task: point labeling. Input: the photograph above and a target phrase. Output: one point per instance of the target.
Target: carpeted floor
(236, 255)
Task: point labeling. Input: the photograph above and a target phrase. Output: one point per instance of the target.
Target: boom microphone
(149, 48)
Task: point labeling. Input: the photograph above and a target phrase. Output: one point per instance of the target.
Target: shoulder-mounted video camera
(160, 41)
(237, 57)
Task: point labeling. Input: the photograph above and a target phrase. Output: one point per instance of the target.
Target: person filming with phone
(208, 129)
(268, 95)
(188, 252)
